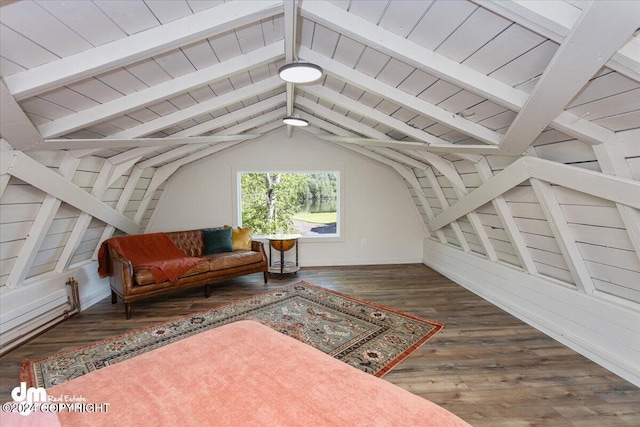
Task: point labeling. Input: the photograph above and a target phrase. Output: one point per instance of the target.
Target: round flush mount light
(295, 121)
(300, 72)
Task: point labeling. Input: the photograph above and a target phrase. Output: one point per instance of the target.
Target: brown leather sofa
(135, 284)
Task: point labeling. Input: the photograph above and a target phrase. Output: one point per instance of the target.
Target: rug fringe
(26, 373)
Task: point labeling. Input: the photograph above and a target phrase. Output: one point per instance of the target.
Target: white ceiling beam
(554, 20)
(444, 204)
(457, 149)
(159, 92)
(164, 172)
(121, 205)
(362, 128)
(477, 226)
(81, 225)
(169, 169)
(290, 21)
(508, 222)
(612, 162)
(406, 100)
(440, 66)
(359, 108)
(199, 109)
(15, 127)
(564, 236)
(583, 52)
(232, 131)
(107, 143)
(322, 124)
(411, 179)
(235, 116)
(40, 227)
(618, 190)
(513, 175)
(412, 53)
(140, 46)
(341, 119)
(23, 167)
(444, 167)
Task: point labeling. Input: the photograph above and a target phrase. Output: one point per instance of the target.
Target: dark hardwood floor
(486, 366)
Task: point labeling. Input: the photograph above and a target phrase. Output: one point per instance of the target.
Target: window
(305, 203)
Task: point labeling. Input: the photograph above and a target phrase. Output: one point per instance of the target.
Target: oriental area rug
(368, 336)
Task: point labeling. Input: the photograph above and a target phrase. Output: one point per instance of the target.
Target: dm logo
(29, 396)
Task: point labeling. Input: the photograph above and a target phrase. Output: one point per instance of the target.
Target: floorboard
(486, 366)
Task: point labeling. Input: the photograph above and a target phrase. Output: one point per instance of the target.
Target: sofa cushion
(143, 276)
(241, 238)
(221, 261)
(217, 240)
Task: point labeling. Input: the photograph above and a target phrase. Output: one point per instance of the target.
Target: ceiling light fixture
(295, 121)
(300, 72)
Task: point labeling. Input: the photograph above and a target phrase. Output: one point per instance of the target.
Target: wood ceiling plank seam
(613, 162)
(444, 203)
(554, 22)
(22, 167)
(473, 153)
(339, 118)
(123, 200)
(435, 64)
(442, 166)
(350, 104)
(229, 118)
(199, 109)
(138, 46)
(39, 228)
(580, 56)
(434, 112)
(614, 188)
(474, 219)
(158, 92)
(157, 143)
(564, 238)
(84, 219)
(509, 225)
(510, 177)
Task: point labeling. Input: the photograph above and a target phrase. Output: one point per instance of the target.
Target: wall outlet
(363, 242)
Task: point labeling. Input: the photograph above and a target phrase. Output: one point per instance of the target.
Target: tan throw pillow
(241, 238)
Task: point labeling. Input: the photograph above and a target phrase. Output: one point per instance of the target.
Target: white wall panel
(376, 203)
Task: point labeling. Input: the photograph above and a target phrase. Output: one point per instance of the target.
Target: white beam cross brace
(583, 52)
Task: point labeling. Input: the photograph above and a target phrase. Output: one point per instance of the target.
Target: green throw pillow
(217, 240)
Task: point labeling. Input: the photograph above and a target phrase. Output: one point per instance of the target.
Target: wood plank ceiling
(514, 124)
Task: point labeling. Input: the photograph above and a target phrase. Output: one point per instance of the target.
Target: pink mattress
(241, 374)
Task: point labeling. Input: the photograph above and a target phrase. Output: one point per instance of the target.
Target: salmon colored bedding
(154, 252)
(244, 374)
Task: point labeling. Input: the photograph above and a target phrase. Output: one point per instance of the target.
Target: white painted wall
(377, 205)
(27, 310)
(603, 331)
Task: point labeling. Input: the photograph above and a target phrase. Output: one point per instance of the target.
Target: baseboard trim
(599, 331)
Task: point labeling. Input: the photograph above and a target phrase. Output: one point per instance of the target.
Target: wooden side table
(283, 243)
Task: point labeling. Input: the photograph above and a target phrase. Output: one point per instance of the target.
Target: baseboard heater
(27, 322)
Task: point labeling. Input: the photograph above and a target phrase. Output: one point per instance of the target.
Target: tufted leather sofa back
(190, 242)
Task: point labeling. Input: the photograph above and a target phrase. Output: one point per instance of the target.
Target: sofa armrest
(257, 246)
(121, 273)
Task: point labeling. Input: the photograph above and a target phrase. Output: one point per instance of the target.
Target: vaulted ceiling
(434, 89)
(457, 78)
